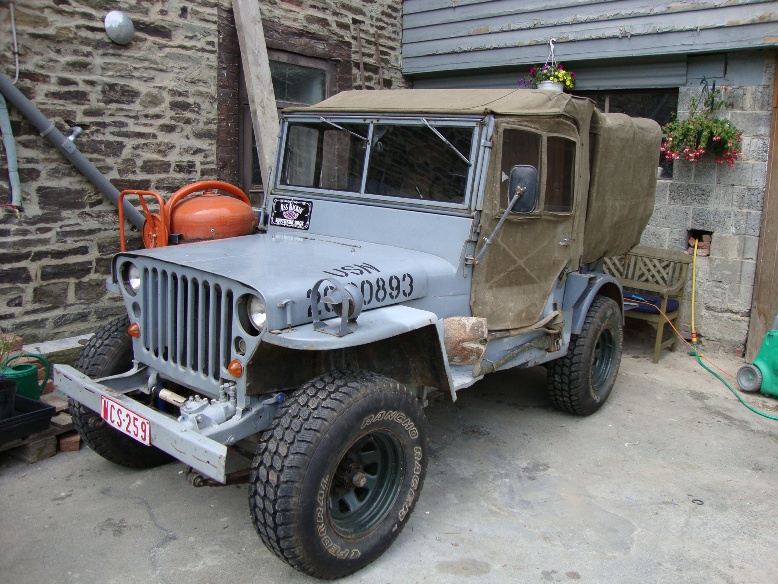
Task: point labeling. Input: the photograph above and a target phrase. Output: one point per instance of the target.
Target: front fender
(372, 326)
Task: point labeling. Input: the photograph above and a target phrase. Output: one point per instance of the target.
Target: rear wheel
(336, 477)
(109, 352)
(581, 381)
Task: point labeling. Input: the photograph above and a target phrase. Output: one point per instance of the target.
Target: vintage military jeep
(413, 241)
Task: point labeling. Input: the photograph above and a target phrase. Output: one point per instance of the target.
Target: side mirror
(524, 179)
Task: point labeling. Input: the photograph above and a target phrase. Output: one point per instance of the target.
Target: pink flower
(532, 70)
(716, 138)
(572, 75)
(559, 66)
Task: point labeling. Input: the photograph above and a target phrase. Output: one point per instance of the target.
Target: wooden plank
(40, 448)
(544, 13)
(491, 32)
(59, 401)
(259, 84)
(689, 42)
(765, 300)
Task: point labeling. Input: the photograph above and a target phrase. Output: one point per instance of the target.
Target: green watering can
(26, 375)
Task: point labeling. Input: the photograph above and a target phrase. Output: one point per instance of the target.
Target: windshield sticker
(291, 213)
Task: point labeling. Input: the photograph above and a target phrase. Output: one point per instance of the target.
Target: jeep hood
(282, 267)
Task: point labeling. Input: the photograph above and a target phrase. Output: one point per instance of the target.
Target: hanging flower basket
(703, 134)
(542, 76)
(548, 72)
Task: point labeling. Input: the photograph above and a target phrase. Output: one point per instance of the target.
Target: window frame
(362, 197)
(246, 133)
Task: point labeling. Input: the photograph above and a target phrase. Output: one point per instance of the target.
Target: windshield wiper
(450, 145)
(334, 125)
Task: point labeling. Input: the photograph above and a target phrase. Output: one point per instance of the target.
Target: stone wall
(150, 119)
(727, 201)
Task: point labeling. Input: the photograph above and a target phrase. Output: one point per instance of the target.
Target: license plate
(126, 421)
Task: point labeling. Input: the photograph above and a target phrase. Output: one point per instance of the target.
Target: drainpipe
(67, 147)
(10, 154)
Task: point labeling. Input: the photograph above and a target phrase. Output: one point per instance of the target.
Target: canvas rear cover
(625, 156)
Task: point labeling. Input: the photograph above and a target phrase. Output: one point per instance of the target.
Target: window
(297, 81)
(426, 161)
(657, 105)
(523, 148)
(560, 162)
(519, 147)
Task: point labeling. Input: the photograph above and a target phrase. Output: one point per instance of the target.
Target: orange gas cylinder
(210, 215)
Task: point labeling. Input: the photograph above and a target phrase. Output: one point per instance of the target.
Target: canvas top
(455, 101)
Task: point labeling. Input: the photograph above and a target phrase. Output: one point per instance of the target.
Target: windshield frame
(477, 124)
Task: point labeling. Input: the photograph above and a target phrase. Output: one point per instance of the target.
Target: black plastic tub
(30, 416)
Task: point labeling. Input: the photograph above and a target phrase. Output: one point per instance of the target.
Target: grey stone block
(756, 149)
(678, 239)
(748, 198)
(654, 237)
(727, 246)
(739, 220)
(722, 197)
(705, 171)
(683, 171)
(712, 220)
(671, 217)
(753, 224)
(693, 195)
(743, 173)
(725, 271)
(747, 273)
(752, 123)
(750, 247)
(662, 190)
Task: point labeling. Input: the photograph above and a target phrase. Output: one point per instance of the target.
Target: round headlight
(131, 278)
(257, 312)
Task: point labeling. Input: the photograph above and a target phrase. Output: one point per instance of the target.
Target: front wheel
(581, 381)
(335, 478)
(109, 352)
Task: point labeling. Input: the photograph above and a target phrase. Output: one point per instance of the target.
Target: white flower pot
(551, 86)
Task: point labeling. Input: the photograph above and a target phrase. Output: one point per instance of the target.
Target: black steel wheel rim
(365, 484)
(602, 363)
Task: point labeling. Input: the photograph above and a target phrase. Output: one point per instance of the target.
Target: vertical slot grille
(187, 322)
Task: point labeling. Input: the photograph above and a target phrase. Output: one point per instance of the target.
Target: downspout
(10, 154)
(5, 128)
(67, 148)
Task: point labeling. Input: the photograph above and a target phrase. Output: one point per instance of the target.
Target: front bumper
(203, 454)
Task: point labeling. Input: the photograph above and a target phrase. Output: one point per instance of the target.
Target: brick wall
(724, 200)
(152, 120)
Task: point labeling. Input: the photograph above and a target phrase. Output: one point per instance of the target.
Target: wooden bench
(656, 275)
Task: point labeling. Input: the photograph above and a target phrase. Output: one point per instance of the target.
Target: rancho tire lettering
(321, 526)
(393, 416)
(408, 503)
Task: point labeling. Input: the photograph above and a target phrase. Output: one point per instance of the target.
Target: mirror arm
(519, 193)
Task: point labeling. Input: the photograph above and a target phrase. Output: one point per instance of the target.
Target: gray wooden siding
(457, 35)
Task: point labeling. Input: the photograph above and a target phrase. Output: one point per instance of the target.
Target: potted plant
(549, 76)
(703, 132)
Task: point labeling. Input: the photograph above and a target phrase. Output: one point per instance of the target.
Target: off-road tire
(581, 381)
(109, 352)
(301, 487)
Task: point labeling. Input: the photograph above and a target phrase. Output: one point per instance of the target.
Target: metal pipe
(10, 154)
(67, 148)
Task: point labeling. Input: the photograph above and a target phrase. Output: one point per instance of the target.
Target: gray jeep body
(337, 232)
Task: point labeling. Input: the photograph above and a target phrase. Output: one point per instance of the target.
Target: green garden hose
(697, 354)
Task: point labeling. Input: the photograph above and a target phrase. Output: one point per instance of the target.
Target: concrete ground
(672, 481)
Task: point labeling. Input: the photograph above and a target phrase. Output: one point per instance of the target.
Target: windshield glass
(417, 160)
